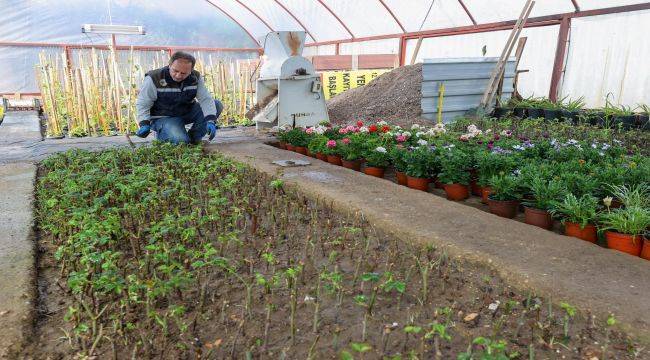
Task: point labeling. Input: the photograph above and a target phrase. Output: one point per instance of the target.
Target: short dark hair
(182, 55)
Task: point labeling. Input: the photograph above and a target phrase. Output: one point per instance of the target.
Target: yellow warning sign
(336, 82)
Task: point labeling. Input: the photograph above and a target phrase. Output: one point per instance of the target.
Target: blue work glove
(143, 131)
(212, 130)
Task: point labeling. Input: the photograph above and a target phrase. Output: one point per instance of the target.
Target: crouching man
(174, 96)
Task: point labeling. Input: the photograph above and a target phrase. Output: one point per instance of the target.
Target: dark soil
(337, 256)
(394, 96)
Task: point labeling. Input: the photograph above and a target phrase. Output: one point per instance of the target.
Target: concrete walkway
(565, 269)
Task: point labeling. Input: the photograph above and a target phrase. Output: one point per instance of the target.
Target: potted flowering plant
(351, 149)
(504, 198)
(297, 140)
(578, 216)
(317, 146)
(545, 194)
(625, 228)
(282, 136)
(419, 168)
(377, 160)
(453, 173)
(398, 159)
(490, 163)
(332, 151)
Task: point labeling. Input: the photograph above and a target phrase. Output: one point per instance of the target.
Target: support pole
(560, 54)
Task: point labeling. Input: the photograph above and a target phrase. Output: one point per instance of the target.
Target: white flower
(364, 129)
(601, 153)
(415, 127)
(472, 128)
(464, 137)
(397, 127)
(420, 133)
(382, 123)
(423, 142)
(606, 146)
(381, 149)
(594, 146)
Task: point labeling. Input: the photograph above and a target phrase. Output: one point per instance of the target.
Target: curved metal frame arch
(236, 22)
(255, 14)
(295, 18)
(337, 18)
(393, 15)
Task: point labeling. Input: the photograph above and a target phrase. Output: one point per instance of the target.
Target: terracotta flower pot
(283, 145)
(624, 242)
(310, 154)
(321, 156)
(538, 217)
(437, 183)
(354, 164)
(417, 183)
(374, 171)
(334, 159)
(477, 190)
(589, 233)
(504, 208)
(301, 150)
(456, 192)
(291, 147)
(645, 252)
(485, 192)
(401, 178)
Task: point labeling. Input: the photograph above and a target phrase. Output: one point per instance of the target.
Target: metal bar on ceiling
(337, 18)
(124, 47)
(255, 14)
(467, 12)
(295, 18)
(393, 15)
(575, 5)
(235, 20)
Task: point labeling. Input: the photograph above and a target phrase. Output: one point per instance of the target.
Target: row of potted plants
(505, 170)
(610, 115)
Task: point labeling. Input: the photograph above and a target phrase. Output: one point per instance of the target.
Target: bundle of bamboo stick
(94, 92)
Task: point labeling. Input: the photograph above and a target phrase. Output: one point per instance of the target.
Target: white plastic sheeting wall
(538, 55)
(609, 55)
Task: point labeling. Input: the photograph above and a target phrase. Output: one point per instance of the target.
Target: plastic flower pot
(538, 217)
(309, 153)
(535, 113)
(475, 187)
(417, 183)
(401, 178)
(334, 159)
(321, 156)
(630, 244)
(456, 192)
(485, 192)
(352, 164)
(520, 112)
(374, 171)
(282, 145)
(504, 208)
(644, 121)
(500, 112)
(628, 121)
(551, 114)
(291, 147)
(588, 233)
(645, 252)
(301, 150)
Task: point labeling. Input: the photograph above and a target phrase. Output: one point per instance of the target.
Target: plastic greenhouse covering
(603, 53)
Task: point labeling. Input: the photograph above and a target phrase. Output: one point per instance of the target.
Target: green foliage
(454, 166)
(629, 220)
(505, 187)
(581, 210)
(297, 137)
(421, 162)
(318, 144)
(545, 193)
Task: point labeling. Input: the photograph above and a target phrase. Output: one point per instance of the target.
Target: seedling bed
(164, 252)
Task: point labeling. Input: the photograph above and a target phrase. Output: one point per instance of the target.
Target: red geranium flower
(385, 128)
(372, 128)
(359, 123)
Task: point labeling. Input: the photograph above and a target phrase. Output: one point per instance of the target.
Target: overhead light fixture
(113, 29)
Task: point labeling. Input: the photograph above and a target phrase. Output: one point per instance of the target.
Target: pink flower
(346, 141)
(309, 130)
(331, 143)
(343, 131)
(400, 138)
(351, 128)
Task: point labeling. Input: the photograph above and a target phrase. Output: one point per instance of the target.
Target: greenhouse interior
(325, 179)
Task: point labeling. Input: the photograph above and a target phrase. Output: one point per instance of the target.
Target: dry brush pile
(169, 253)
